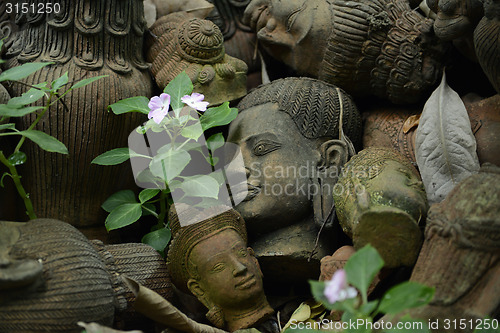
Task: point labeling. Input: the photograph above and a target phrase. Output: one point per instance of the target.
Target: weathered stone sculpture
(87, 38)
(366, 47)
(211, 260)
(395, 127)
(486, 43)
(51, 277)
(185, 43)
(288, 132)
(381, 201)
(456, 20)
(460, 256)
(238, 38)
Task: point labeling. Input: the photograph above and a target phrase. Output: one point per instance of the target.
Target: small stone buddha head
(185, 43)
(380, 200)
(211, 260)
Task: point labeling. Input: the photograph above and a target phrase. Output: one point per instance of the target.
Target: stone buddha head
(210, 259)
(288, 132)
(379, 194)
(380, 48)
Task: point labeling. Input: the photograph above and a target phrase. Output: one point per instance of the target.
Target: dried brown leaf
(155, 307)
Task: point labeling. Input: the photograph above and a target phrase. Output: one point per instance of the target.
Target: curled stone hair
(381, 47)
(314, 106)
(186, 238)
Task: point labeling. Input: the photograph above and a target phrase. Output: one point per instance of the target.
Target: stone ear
(196, 289)
(334, 153)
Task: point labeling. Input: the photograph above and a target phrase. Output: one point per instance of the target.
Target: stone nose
(239, 268)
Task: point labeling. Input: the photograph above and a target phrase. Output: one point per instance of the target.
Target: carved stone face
(229, 273)
(398, 186)
(379, 195)
(293, 31)
(279, 161)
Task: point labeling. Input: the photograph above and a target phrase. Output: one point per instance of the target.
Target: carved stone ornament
(487, 44)
(196, 46)
(455, 21)
(211, 260)
(288, 132)
(52, 277)
(87, 38)
(380, 201)
(366, 47)
(460, 256)
(395, 127)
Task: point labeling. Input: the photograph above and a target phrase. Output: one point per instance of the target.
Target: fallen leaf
(411, 122)
(155, 307)
(98, 328)
(444, 143)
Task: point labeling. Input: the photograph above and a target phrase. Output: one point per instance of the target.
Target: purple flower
(337, 290)
(195, 101)
(159, 107)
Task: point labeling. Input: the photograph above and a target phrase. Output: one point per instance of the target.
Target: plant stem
(163, 209)
(20, 189)
(40, 115)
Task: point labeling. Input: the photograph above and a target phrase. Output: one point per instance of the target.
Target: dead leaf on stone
(97, 328)
(444, 143)
(411, 122)
(155, 307)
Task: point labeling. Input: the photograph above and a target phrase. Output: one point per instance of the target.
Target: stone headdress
(186, 238)
(196, 46)
(314, 106)
(381, 48)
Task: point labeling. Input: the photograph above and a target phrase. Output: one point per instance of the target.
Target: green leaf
(369, 307)
(28, 97)
(362, 267)
(45, 141)
(192, 131)
(147, 208)
(132, 104)
(17, 158)
(112, 157)
(59, 82)
(7, 126)
(201, 186)
(123, 215)
(147, 194)
(158, 239)
(84, 82)
(180, 86)
(20, 72)
(404, 296)
(215, 141)
(218, 116)
(118, 199)
(15, 111)
(169, 164)
(186, 147)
